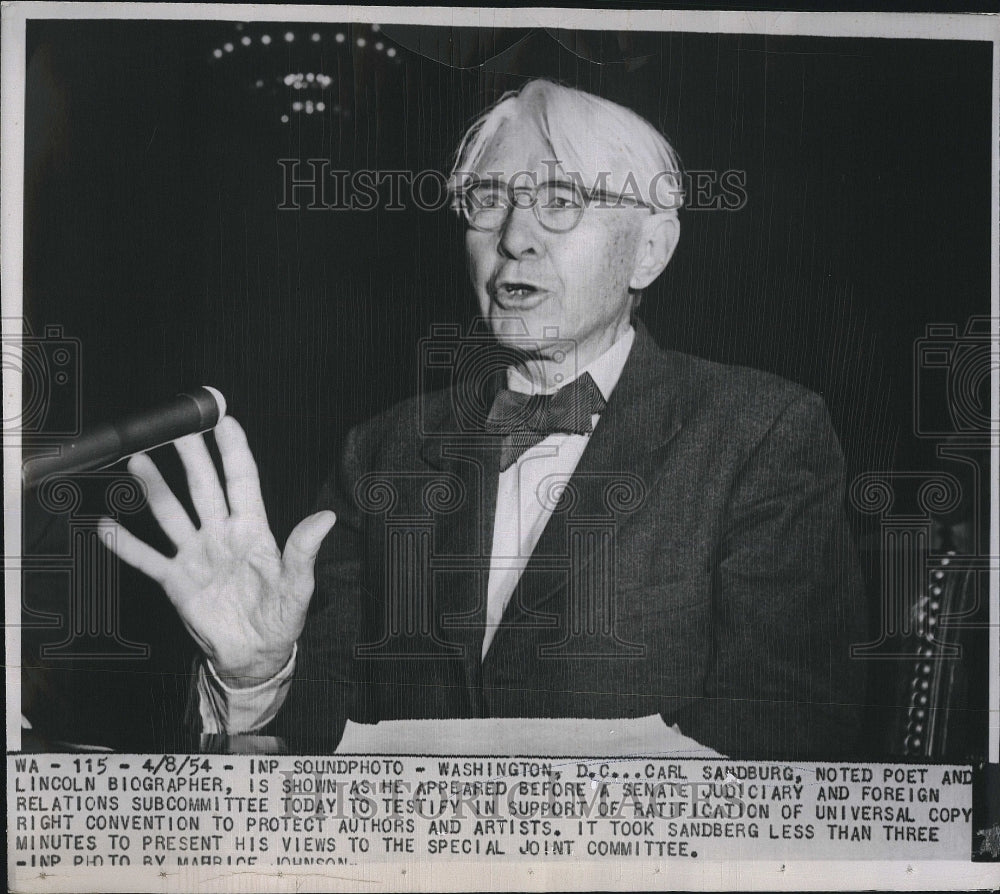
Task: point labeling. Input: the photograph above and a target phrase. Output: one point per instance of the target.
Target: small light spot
(320, 106)
(245, 40)
(259, 82)
(296, 107)
(310, 77)
(265, 39)
(314, 37)
(390, 52)
(228, 47)
(376, 27)
(309, 107)
(289, 37)
(290, 79)
(380, 46)
(217, 53)
(362, 42)
(339, 38)
(284, 119)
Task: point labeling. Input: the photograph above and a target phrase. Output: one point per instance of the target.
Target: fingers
(242, 478)
(166, 508)
(131, 549)
(300, 552)
(203, 481)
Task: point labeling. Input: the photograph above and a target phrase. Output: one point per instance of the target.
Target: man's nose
(521, 233)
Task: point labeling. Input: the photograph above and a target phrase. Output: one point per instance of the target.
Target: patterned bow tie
(528, 419)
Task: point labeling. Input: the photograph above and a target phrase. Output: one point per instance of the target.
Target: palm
(240, 568)
(243, 601)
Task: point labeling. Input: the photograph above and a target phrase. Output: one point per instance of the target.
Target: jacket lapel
(463, 538)
(619, 466)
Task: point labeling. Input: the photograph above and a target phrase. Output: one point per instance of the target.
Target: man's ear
(658, 239)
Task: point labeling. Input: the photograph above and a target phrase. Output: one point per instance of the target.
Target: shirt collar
(606, 370)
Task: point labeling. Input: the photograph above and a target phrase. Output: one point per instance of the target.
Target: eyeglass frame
(588, 196)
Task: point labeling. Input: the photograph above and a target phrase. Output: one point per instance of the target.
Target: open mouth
(516, 293)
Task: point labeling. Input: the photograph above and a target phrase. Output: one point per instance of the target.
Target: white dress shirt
(529, 489)
(526, 495)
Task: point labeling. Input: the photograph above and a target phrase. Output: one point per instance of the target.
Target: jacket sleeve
(787, 601)
(327, 688)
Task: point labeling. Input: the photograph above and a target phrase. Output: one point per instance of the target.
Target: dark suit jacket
(699, 566)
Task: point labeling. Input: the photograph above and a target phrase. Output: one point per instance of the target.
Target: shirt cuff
(226, 710)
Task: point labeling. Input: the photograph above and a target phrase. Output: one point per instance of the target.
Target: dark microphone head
(189, 413)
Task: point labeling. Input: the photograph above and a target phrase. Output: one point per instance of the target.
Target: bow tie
(528, 419)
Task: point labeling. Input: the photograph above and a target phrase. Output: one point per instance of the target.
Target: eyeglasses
(558, 205)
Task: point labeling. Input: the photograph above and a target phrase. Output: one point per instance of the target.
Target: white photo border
(802, 875)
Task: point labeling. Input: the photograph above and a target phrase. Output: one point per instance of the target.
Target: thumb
(301, 548)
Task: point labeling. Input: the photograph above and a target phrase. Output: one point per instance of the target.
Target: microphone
(192, 412)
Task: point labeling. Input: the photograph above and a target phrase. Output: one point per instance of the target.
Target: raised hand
(243, 601)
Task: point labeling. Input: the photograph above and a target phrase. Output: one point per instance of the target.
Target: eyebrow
(495, 181)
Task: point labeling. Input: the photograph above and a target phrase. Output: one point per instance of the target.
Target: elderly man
(605, 529)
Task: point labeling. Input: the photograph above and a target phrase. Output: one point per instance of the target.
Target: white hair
(607, 146)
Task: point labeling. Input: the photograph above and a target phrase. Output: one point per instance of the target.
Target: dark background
(153, 237)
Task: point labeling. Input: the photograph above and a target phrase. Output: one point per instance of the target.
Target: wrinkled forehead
(519, 150)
